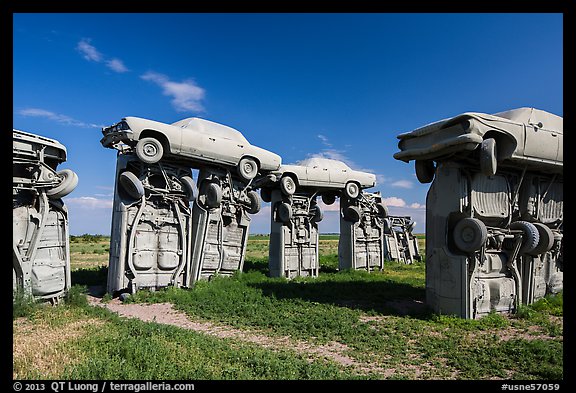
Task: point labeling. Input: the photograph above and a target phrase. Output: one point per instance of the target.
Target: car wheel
(266, 194)
(488, 164)
(255, 204)
(67, 184)
(285, 212)
(213, 195)
(247, 168)
(287, 185)
(318, 214)
(329, 198)
(149, 150)
(424, 170)
(470, 234)
(546, 239)
(189, 188)
(131, 184)
(352, 213)
(530, 237)
(352, 190)
(382, 209)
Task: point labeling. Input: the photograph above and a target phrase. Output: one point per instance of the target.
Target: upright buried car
(41, 245)
(193, 139)
(520, 137)
(494, 210)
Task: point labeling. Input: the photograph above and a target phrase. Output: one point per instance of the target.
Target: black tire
(67, 184)
(530, 237)
(285, 212)
(149, 150)
(318, 214)
(329, 198)
(213, 195)
(352, 190)
(382, 209)
(546, 239)
(352, 213)
(488, 164)
(131, 184)
(266, 194)
(470, 234)
(189, 188)
(247, 168)
(425, 170)
(287, 185)
(255, 204)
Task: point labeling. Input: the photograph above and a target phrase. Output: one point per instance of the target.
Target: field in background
(340, 325)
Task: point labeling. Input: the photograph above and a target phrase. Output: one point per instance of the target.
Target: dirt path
(165, 313)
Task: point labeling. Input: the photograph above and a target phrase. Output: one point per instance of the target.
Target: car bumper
(111, 139)
(424, 149)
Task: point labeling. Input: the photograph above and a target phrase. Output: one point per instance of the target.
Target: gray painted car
(198, 140)
(525, 137)
(41, 242)
(325, 175)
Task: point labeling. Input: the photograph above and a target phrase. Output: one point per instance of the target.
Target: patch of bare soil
(165, 313)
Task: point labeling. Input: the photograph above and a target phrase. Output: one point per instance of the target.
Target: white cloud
(89, 203)
(402, 184)
(399, 202)
(38, 112)
(394, 201)
(324, 140)
(116, 65)
(88, 51)
(186, 95)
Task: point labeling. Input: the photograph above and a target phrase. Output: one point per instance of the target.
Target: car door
(318, 174)
(543, 142)
(192, 143)
(339, 175)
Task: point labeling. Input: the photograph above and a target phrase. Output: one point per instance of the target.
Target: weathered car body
(330, 178)
(494, 210)
(151, 226)
(361, 245)
(41, 243)
(220, 224)
(193, 139)
(523, 137)
(401, 243)
(294, 236)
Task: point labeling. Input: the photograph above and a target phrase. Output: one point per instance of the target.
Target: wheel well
(252, 157)
(157, 135)
(293, 176)
(505, 144)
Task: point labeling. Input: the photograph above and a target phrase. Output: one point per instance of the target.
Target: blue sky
(336, 85)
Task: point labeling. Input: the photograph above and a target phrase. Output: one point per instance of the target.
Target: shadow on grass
(380, 297)
(90, 277)
(258, 265)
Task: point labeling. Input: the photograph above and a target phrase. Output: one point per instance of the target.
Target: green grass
(379, 318)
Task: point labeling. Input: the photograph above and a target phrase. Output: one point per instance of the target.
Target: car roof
(324, 163)
(549, 121)
(209, 127)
